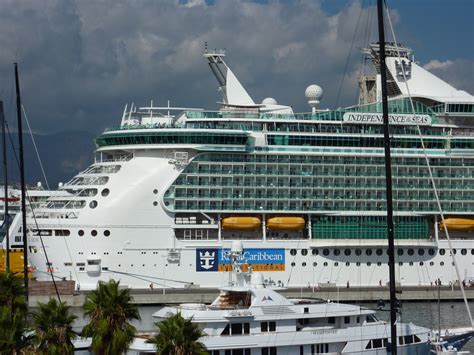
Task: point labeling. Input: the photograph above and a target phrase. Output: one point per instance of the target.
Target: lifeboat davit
(241, 223)
(458, 224)
(286, 223)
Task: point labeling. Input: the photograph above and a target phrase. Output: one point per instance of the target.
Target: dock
(41, 292)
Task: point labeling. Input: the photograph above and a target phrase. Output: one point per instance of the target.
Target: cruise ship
(171, 188)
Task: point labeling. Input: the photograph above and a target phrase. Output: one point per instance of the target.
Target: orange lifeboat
(457, 224)
(286, 223)
(241, 223)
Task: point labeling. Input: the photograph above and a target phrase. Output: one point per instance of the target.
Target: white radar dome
(256, 280)
(237, 247)
(269, 101)
(314, 92)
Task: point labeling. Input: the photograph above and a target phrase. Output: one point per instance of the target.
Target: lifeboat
(241, 223)
(458, 224)
(286, 223)
(16, 260)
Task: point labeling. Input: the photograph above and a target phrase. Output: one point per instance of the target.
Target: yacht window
(226, 330)
(105, 192)
(442, 252)
(358, 319)
(337, 252)
(417, 339)
(369, 345)
(228, 352)
(246, 328)
(463, 251)
(264, 327)
(306, 310)
(316, 251)
(377, 343)
(293, 252)
(304, 252)
(272, 326)
(347, 320)
(408, 339)
(379, 252)
(331, 320)
(269, 351)
(421, 252)
(400, 341)
(326, 252)
(236, 328)
(347, 252)
(370, 318)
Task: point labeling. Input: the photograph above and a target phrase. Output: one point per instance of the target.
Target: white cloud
(438, 65)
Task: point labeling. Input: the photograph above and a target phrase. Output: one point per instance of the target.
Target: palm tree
(13, 314)
(178, 336)
(110, 310)
(52, 325)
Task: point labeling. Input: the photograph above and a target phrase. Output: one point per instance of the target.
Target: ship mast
(388, 178)
(22, 176)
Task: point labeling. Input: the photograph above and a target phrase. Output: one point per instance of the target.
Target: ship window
(336, 264)
(463, 251)
(67, 264)
(155, 191)
(93, 204)
(155, 203)
(431, 251)
(226, 330)
(379, 252)
(303, 264)
(421, 252)
(94, 233)
(246, 328)
(408, 339)
(62, 232)
(400, 252)
(347, 252)
(347, 263)
(81, 233)
(304, 252)
(455, 251)
(442, 252)
(326, 252)
(410, 263)
(315, 264)
(411, 251)
(293, 252)
(431, 263)
(93, 262)
(358, 263)
(337, 252)
(316, 251)
(105, 192)
(422, 263)
(236, 328)
(441, 263)
(293, 264)
(347, 320)
(417, 339)
(379, 264)
(358, 251)
(400, 263)
(325, 264)
(377, 343)
(331, 320)
(369, 263)
(264, 327)
(368, 252)
(106, 233)
(272, 326)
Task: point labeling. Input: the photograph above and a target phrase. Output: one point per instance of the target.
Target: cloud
(457, 72)
(81, 61)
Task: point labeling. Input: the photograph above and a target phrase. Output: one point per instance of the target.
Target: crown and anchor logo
(207, 259)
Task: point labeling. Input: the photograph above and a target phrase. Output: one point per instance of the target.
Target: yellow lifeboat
(458, 224)
(16, 260)
(286, 223)
(241, 223)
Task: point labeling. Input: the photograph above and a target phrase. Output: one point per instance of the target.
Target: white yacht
(171, 188)
(248, 317)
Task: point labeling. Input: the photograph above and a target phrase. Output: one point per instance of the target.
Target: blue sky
(81, 61)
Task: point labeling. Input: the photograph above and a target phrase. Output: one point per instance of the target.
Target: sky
(81, 61)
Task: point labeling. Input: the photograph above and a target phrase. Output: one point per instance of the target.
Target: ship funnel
(233, 92)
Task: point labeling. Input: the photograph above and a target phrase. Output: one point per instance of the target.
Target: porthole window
(411, 251)
(358, 251)
(348, 263)
(93, 204)
(167, 203)
(411, 263)
(325, 264)
(422, 263)
(347, 252)
(421, 252)
(400, 263)
(431, 263)
(107, 233)
(293, 264)
(315, 264)
(337, 252)
(303, 264)
(431, 251)
(81, 233)
(316, 251)
(463, 251)
(442, 252)
(304, 252)
(336, 264)
(472, 251)
(379, 252)
(441, 263)
(155, 203)
(368, 252)
(326, 252)
(379, 264)
(105, 192)
(293, 252)
(400, 252)
(358, 263)
(94, 233)
(155, 191)
(455, 251)
(369, 263)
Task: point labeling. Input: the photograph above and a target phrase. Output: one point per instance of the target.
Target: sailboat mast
(6, 220)
(22, 176)
(388, 179)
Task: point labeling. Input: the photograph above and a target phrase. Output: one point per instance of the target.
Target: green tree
(52, 325)
(14, 336)
(178, 336)
(110, 310)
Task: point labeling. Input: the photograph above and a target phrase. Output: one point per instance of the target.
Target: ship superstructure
(171, 188)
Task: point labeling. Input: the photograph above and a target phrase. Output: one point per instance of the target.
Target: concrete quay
(342, 294)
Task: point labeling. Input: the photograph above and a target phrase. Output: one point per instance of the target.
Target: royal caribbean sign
(259, 259)
(394, 118)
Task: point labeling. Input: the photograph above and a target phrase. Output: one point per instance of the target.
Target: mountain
(63, 155)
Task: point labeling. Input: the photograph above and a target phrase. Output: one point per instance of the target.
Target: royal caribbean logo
(206, 259)
(259, 259)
